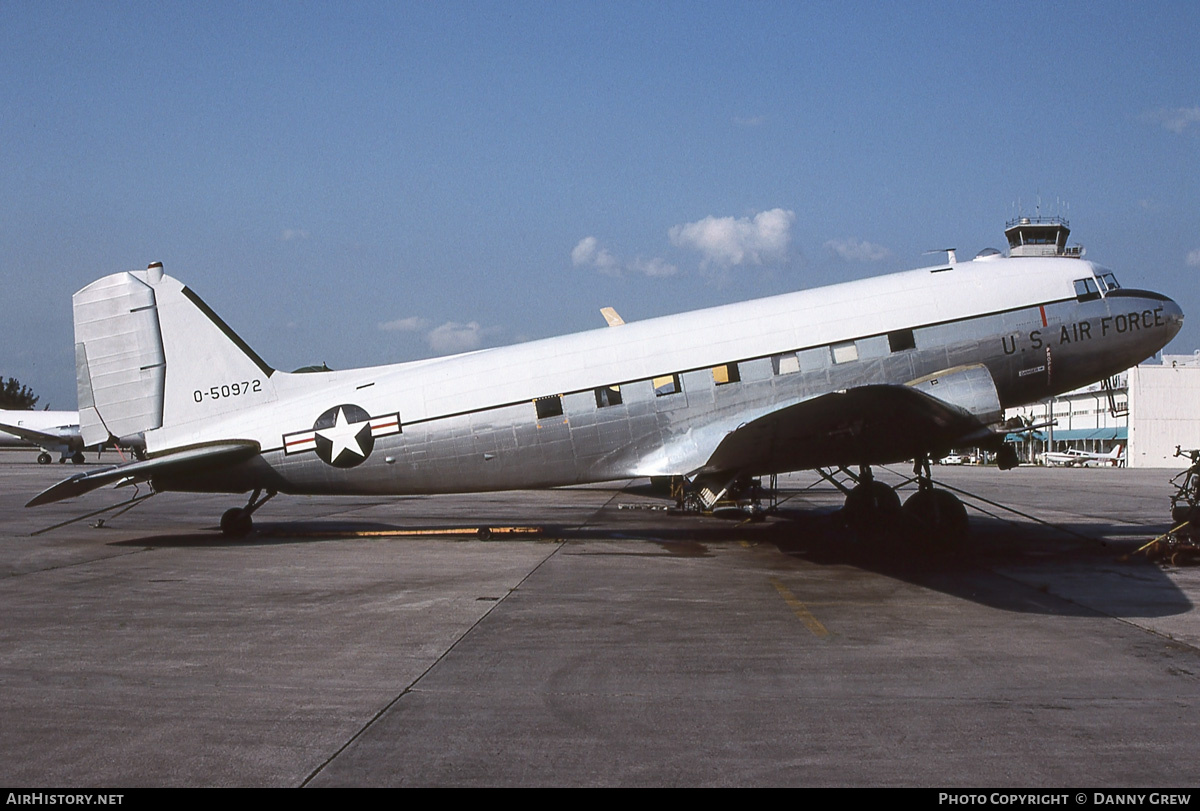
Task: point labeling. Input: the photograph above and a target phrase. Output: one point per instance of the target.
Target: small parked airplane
(1077, 458)
(52, 431)
(869, 372)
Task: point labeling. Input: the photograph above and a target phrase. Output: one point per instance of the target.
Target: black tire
(1185, 512)
(871, 505)
(77, 458)
(44, 458)
(1185, 557)
(937, 518)
(236, 523)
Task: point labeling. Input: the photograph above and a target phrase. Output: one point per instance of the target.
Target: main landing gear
(931, 516)
(936, 515)
(45, 458)
(237, 521)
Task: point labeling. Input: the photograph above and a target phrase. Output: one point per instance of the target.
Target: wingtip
(64, 489)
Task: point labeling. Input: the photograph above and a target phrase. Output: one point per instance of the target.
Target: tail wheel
(937, 517)
(236, 523)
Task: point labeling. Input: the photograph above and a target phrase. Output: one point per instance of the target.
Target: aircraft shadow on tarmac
(1022, 568)
(1012, 567)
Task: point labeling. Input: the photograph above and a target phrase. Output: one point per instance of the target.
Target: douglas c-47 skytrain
(875, 371)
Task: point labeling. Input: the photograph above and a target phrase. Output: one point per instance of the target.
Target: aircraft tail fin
(149, 352)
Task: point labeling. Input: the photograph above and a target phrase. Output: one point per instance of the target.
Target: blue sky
(361, 183)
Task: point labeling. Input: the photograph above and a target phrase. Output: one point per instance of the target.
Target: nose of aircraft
(1147, 320)
(1173, 314)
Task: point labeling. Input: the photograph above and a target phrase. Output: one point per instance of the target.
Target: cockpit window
(1108, 282)
(1086, 290)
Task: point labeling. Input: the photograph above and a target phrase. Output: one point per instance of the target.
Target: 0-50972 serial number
(227, 390)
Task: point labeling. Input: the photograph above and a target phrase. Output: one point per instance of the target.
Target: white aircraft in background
(869, 372)
(52, 431)
(1077, 458)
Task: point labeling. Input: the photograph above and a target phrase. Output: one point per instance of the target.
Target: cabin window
(814, 359)
(1109, 282)
(785, 364)
(901, 339)
(726, 373)
(608, 396)
(549, 406)
(845, 352)
(666, 385)
(1086, 290)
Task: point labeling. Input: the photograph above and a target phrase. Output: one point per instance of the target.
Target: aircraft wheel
(692, 503)
(1185, 557)
(871, 504)
(937, 517)
(44, 458)
(1006, 458)
(1185, 512)
(77, 458)
(236, 523)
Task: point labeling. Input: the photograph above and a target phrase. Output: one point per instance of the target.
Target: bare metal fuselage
(655, 398)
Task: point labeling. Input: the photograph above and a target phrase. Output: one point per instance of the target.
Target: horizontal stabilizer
(204, 457)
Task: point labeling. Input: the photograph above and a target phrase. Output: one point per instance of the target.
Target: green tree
(15, 396)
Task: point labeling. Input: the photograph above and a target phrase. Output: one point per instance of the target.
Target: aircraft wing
(875, 424)
(43, 439)
(205, 457)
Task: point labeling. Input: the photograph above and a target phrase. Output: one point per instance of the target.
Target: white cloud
(1176, 119)
(290, 234)
(450, 338)
(588, 253)
(453, 337)
(652, 267)
(411, 324)
(1193, 258)
(857, 250)
(727, 241)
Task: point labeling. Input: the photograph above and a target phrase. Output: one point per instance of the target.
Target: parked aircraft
(869, 372)
(1077, 458)
(52, 431)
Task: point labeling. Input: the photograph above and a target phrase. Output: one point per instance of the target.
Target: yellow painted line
(1160, 537)
(404, 533)
(800, 610)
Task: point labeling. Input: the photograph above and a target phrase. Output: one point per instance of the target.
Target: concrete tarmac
(621, 646)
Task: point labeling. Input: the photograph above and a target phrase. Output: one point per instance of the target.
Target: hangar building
(1149, 409)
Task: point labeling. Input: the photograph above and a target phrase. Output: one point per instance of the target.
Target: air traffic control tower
(1040, 236)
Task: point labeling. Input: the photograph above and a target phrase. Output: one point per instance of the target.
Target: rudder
(150, 353)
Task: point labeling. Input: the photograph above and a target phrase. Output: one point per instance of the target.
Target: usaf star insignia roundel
(342, 436)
